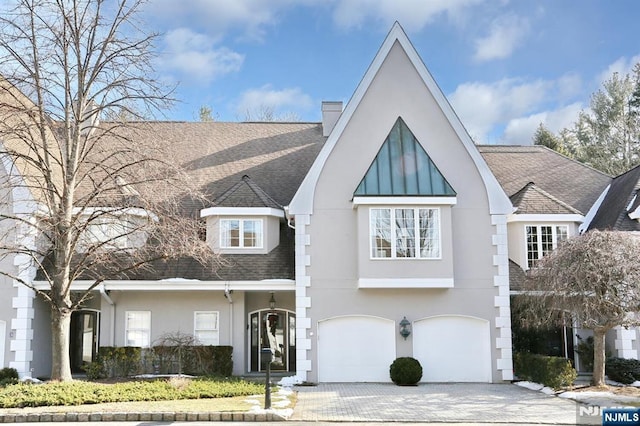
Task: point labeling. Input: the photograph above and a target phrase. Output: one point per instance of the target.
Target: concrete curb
(143, 417)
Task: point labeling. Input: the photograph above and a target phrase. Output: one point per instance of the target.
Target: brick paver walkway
(473, 403)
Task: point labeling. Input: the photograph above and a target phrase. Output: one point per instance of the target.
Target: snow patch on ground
(599, 398)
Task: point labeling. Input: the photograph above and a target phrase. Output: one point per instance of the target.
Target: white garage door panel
(453, 349)
(355, 349)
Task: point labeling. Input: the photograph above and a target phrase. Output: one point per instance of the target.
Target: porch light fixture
(272, 301)
(405, 328)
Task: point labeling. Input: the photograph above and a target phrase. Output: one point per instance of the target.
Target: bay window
(405, 232)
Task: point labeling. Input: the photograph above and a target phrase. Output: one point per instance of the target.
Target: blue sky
(505, 66)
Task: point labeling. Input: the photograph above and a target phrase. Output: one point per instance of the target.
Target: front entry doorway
(83, 342)
(275, 329)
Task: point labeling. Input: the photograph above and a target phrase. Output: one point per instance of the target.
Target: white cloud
(283, 101)
(519, 131)
(505, 34)
(483, 106)
(622, 66)
(219, 16)
(413, 14)
(517, 106)
(195, 56)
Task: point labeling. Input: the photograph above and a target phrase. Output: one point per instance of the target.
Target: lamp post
(267, 357)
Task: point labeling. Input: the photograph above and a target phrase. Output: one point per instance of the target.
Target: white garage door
(453, 349)
(355, 349)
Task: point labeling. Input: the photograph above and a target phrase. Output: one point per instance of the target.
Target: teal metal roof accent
(403, 168)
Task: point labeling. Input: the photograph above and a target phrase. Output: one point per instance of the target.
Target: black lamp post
(267, 357)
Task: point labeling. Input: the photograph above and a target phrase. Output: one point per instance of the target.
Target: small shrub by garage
(622, 370)
(551, 371)
(405, 371)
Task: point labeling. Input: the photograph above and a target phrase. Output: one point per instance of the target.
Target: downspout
(290, 219)
(112, 314)
(227, 295)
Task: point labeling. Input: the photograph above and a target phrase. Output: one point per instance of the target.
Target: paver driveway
(469, 402)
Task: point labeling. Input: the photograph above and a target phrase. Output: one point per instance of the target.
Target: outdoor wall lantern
(405, 328)
(272, 302)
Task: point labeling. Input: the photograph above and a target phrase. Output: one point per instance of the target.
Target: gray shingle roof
(565, 179)
(533, 200)
(613, 212)
(246, 194)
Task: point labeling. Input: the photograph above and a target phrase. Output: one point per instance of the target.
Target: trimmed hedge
(78, 392)
(192, 360)
(623, 370)
(551, 371)
(405, 371)
(8, 376)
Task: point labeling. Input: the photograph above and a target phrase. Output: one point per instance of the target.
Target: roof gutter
(291, 221)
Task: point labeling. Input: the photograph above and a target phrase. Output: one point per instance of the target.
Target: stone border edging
(142, 417)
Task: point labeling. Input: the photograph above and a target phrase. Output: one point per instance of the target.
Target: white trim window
(241, 233)
(542, 239)
(206, 327)
(138, 328)
(405, 233)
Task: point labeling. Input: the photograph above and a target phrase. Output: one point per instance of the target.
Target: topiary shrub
(551, 371)
(405, 371)
(623, 370)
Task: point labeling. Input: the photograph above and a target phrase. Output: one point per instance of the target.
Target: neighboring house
(332, 234)
(555, 198)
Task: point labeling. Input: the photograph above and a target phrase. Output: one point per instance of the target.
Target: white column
(624, 342)
(303, 301)
(504, 362)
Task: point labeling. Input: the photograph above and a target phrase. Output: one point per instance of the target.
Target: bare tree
(593, 279)
(99, 202)
(267, 113)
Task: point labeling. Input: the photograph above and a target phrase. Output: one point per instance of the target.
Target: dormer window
(241, 233)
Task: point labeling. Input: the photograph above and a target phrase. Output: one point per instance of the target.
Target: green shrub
(78, 392)
(623, 370)
(121, 361)
(551, 371)
(405, 371)
(8, 376)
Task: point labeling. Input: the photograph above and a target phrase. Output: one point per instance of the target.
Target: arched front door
(275, 329)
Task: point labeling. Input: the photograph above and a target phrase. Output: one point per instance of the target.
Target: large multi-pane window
(241, 233)
(541, 239)
(205, 327)
(405, 233)
(138, 328)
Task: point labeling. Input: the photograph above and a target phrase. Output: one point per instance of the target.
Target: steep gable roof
(567, 180)
(620, 200)
(533, 200)
(246, 193)
(302, 202)
(403, 168)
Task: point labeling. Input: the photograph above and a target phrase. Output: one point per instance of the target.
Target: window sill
(405, 283)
